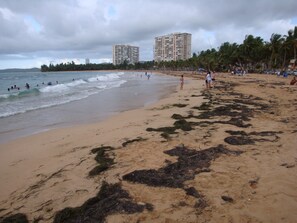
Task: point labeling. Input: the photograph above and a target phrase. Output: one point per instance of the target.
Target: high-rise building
(87, 60)
(175, 46)
(125, 53)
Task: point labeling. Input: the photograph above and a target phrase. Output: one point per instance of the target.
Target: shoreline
(94, 108)
(252, 172)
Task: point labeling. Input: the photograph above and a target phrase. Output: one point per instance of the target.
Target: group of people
(27, 86)
(209, 80)
(147, 75)
(14, 87)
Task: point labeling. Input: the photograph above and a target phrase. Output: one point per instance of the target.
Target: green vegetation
(253, 55)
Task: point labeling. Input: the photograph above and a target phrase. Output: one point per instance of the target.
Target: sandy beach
(227, 154)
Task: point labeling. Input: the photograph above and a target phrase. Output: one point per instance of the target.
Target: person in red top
(293, 81)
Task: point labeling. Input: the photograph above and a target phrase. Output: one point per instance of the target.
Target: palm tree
(294, 35)
(275, 43)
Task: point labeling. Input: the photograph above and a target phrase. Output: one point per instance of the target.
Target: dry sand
(229, 156)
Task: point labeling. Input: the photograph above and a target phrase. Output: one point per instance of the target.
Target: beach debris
(111, 199)
(16, 218)
(204, 106)
(200, 204)
(183, 125)
(177, 116)
(180, 105)
(227, 199)
(254, 183)
(192, 192)
(239, 140)
(190, 162)
(288, 165)
(138, 139)
(243, 138)
(102, 159)
(167, 131)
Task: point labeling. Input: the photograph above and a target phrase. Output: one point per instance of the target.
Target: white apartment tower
(122, 53)
(175, 46)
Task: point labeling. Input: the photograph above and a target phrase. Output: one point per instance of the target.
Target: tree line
(253, 55)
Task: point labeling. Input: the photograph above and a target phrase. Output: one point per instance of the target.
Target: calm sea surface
(56, 99)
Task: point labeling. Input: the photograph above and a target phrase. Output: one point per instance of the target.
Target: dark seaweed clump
(111, 199)
(179, 105)
(239, 140)
(238, 111)
(138, 139)
(102, 159)
(243, 138)
(167, 131)
(190, 162)
(16, 218)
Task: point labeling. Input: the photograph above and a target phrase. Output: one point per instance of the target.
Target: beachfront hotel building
(122, 53)
(175, 46)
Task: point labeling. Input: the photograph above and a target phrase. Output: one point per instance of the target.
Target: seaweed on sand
(238, 111)
(102, 159)
(179, 105)
(138, 139)
(111, 199)
(190, 162)
(204, 106)
(167, 131)
(243, 138)
(239, 140)
(16, 218)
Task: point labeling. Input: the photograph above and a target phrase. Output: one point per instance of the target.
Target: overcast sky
(36, 32)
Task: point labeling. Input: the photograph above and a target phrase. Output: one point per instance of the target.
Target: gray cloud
(33, 29)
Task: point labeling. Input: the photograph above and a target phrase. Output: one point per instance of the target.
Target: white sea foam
(4, 96)
(53, 89)
(108, 77)
(76, 83)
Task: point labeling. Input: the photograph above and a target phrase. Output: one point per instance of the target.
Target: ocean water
(58, 99)
(50, 89)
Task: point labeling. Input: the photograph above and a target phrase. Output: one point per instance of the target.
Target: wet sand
(227, 154)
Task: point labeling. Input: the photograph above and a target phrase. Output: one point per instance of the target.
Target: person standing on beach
(213, 78)
(208, 80)
(182, 82)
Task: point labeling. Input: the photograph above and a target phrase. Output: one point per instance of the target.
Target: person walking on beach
(213, 78)
(182, 82)
(208, 80)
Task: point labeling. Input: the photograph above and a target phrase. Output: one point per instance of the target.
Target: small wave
(62, 87)
(108, 77)
(75, 83)
(55, 88)
(4, 96)
(20, 94)
(42, 106)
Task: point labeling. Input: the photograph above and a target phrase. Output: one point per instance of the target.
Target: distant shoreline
(20, 70)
